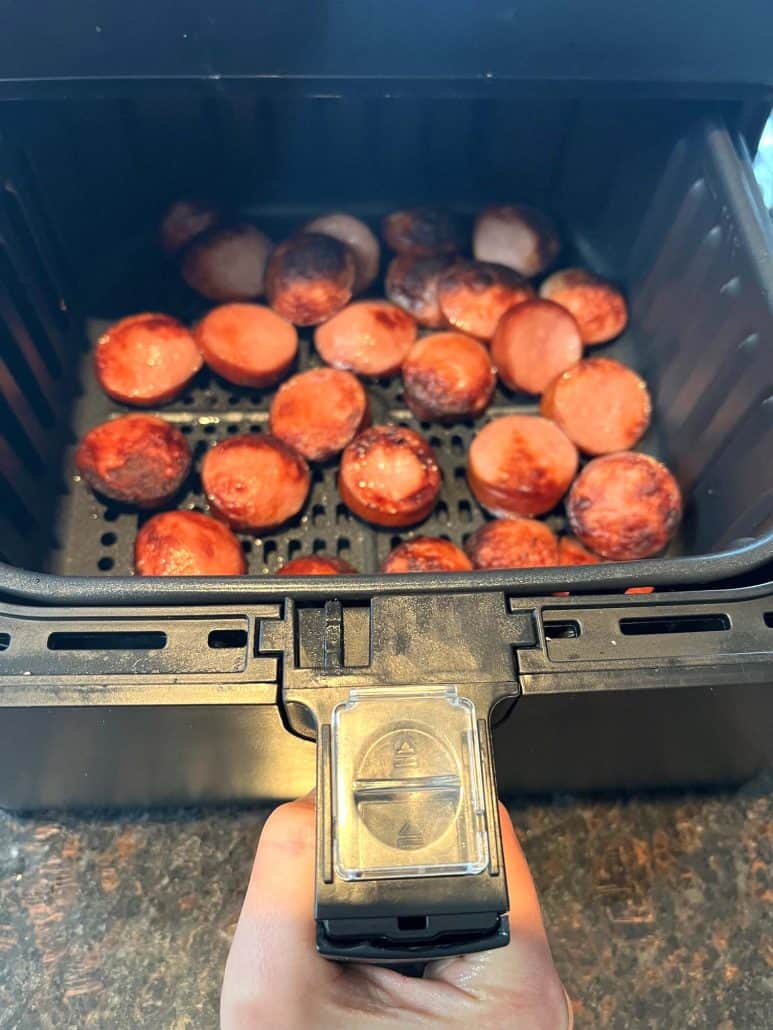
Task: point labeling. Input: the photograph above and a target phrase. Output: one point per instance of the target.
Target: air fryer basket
(652, 195)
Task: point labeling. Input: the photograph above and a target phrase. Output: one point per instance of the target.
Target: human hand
(275, 978)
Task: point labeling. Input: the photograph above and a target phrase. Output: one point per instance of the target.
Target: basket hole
(343, 546)
(269, 548)
(460, 472)
(317, 513)
(210, 428)
(293, 548)
(435, 441)
(465, 511)
(232, 429)
(108, 539)
(247, 546)
(457, 444)
(110, 514)
(105, 563)
(254, 428)
(5, 641)
(187, 428)
(342, 512)
(318, 546)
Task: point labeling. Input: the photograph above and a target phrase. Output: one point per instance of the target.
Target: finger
(521, 976)
(273, 960)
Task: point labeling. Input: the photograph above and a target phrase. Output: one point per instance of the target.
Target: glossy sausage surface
(598, 306)
(625, 506)
(317, 565)
(187, 543)
(535, 342)
(358, 237)
(389, 476)
(473, 296)
(319, 412)
(512, 544)
(247, 344)
(309, 277)
(412, 284)
(448, 376)
(369, 337)
(426, 554)
(520, 465)
(146, 359)
(255, 482)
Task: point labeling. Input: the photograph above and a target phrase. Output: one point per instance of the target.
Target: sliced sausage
(572, 552)
(186, 543)
(598, 306)
(389, 476)
(309, 277)
(183, 221)
(473, 296)
(146, 360)
(360, 240)
(518, 236)
(512, 544)
(535, 342)
(601, 405)
(370, 337)
(135, 459)
(227, 263)
(317, 565)
(625, 506)
(423, 232)
(247, 344)
(319, 412)
(255, 482)
(520, 465)
(426, 554)
(448, 376)
(412, 284)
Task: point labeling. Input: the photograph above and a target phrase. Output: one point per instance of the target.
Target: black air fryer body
(633, 129)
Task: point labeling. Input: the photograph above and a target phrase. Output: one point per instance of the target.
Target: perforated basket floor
(94, 537)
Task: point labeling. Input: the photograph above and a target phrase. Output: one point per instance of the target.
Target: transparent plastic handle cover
(407, 793)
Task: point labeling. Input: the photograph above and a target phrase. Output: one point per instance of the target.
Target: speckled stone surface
(658, 910)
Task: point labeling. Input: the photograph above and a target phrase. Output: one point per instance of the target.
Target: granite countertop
(655, 905)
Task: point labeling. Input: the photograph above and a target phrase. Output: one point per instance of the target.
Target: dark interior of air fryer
(87, 182)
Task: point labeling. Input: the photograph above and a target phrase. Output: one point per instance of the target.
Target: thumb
(521, 976)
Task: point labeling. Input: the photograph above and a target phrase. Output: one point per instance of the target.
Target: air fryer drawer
(651, 195)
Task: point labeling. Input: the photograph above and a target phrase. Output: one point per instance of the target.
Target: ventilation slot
(768, 617)
(108, 640)
(227, 638)
(5, 641)
(654, 626)
(412, 922)
(568, 629)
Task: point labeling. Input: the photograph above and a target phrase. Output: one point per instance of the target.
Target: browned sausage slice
(412, 284)
(136, 459)
(426, 554)
(317, 565)
(448, 376)
(517, 236)
(255, 482)
(370, 337)
(597, 305)
(227, 263)
(512, 544)
(319, 412)
(520, 465)
(183, 221)
(572, 552)
(146, 360)
(309, 277)
(601, 405)
(186, 543)
(422, 232)
(389, 476)
(358, 237)
(247, 344)
(535, 342)
(473, 296)
(625, 506)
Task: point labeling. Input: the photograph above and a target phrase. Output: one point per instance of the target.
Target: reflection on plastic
(407, 797)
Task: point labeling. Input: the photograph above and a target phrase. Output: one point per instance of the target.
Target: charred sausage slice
(625, 506)
(426, 554)
(422, 232)
(319, 412)
(370, 337)
(136, 459)
(309, 277)
(535, 342)
(448, 376)
(473, 296)
(186, 543)
(255, 482)
(598, 306)
(520, 465)
(389, 476)
(247, 344)
(146, 360)
(512, 544)
(412, 284)
(358, 237)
